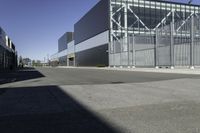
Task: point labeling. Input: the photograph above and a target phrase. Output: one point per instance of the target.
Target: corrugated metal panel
(182, 54)
(71, 47)
(145, 58)
(98, 40)
(93, 23)
(92, 57)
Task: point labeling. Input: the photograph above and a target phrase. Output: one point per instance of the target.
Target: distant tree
(33, 62)
(36, 63)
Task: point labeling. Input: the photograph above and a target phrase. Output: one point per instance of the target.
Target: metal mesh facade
(154, 33)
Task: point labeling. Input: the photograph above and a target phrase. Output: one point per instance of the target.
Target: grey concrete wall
(93, 57)
(64, 40)
(94, 22)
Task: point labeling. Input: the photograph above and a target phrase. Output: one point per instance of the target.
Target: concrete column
(67, 61)
(192, 43)
(74, 60)
(110, 34)
(172, 46)
(126, 31)
(134, 54)
(156, 50)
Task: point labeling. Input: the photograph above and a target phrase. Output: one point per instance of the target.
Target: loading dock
(71, 60)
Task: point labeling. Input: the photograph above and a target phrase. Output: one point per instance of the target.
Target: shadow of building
(46, 109)
(19, 75)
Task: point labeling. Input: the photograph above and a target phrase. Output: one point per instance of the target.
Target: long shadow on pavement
(19, 75)
(46, 109)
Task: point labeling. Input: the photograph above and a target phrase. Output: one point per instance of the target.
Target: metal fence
(144, 50)
(196, 40)
(163, 47)
(176, 44)
(136, 50)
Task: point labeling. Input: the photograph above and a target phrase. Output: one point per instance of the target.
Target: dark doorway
(71, 61)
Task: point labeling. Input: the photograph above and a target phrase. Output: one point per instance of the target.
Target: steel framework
(149, 33)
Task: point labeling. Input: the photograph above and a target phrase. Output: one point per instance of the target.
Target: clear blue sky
(35, 25)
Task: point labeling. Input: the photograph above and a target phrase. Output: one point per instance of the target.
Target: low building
(62, 46)
(8, 54)
(65, 57)
(27, 61)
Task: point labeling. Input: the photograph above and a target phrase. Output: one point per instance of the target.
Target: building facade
(64, 40)
(92, 36)
(148, 33)
(8, 54)
(63, 46)
(138, 33)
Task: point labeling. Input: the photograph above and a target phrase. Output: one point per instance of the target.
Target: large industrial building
(63, 46)
(136, 33)
(8, 54)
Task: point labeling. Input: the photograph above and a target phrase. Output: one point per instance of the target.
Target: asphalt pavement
(60, 100)
(82, 76)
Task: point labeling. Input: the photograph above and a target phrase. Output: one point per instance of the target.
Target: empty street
(94, 100)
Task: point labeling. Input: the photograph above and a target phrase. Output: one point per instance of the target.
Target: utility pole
(47, 59)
